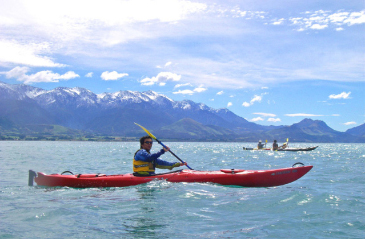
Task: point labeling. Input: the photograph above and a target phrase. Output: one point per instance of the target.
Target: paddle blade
(148, 132)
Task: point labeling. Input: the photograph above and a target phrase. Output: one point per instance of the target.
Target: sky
(270, 62)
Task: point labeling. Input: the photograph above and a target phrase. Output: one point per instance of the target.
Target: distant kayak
(255, 148)
(235, 177)
(286, 149)
(298, 149)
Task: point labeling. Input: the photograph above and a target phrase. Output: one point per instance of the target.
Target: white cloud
(319, 20)
(342, 95)
(256, 98)
(17, 72)
(273, 119)
(200, 89)
(302, 115)
(229, 104)
(257, 119)
(198, 70)
(61, 28)
(181, 85)
(29, 54)
(318, 26)
(265, 114)
(89, 75)
(106, 75)
(356, 18)
(114, 20)
(350, 123)
(338, 17)
(161, 79)
(190, 92)
(335, 115)
(166, 65)
(278, 22)
(246, 104)
(220, 93)
(237, 12)
(184, 92)
(42, 76)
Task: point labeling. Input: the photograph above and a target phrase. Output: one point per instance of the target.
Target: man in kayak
(260, 145)
(144, 163)
(275, 145)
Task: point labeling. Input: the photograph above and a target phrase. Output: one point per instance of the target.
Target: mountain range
(27, 110)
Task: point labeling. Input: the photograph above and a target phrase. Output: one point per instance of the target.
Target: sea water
(328, 202)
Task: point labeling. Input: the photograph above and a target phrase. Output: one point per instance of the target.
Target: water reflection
(147, 221)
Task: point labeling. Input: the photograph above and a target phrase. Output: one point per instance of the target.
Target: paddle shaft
(158, 141)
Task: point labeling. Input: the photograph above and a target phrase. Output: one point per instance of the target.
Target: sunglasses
(148, 142)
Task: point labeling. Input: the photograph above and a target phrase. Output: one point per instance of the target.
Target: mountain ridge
(114, 114)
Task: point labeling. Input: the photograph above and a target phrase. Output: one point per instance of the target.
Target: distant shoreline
(136, 139)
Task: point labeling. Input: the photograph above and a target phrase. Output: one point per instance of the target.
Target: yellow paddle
(152, 136)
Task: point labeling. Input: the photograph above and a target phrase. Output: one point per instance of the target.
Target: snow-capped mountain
(82, 109)
(81, 97)
(19, 92)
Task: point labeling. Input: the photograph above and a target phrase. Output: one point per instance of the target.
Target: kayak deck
(236, 177)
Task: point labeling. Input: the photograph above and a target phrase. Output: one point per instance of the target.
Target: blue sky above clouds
(271, 62)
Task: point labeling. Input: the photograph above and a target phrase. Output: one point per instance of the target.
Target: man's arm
(143, 155)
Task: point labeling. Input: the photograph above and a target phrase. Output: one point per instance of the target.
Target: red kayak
(237, 177)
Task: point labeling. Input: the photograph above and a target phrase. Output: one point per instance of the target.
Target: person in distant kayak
(275, 145)
(283, 146)
(260, 145)
(144, 163)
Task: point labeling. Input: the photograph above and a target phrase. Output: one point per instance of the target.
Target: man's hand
(179, 164)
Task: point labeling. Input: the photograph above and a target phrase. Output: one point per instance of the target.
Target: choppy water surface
(328, 202)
